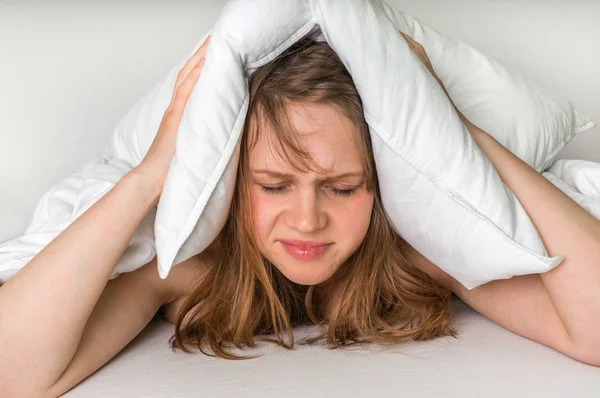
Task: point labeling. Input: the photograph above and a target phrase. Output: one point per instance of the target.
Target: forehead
(326, 133)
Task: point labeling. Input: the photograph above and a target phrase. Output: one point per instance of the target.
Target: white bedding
(580, 179)
(440, 193)
(485, 361)
(44, 56)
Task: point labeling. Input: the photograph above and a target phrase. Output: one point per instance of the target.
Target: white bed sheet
(485, 361)
(580, 179)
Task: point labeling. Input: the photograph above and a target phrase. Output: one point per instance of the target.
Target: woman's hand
(418, 49)
(155, 165)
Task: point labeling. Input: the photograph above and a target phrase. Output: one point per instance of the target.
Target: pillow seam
(456, 197)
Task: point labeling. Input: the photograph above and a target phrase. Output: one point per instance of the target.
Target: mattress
(485, 361)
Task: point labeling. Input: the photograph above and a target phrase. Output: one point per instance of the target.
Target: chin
(305, 274)
(306, 281)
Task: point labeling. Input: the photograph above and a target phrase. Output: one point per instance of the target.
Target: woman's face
(308, 224)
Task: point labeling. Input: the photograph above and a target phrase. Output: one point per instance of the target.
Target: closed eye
(272, 190)
(344, 192)
(339, 192)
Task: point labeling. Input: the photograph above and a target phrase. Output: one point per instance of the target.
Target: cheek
(262, 209)
(354, 218)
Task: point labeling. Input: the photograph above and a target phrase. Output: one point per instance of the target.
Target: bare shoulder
(178, 285)
(178, 282)
(181, 276)
(418, 260)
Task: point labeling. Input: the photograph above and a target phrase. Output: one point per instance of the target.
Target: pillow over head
(441, 193)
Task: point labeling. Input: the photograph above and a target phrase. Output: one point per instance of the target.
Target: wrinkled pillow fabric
(519, 112)
(441, 193)
(64, 203)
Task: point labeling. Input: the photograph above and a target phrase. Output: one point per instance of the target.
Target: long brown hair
(243, 298)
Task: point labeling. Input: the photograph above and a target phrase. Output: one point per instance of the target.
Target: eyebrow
(278, 174)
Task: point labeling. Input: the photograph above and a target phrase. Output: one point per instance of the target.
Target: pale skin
(311, 205)
(555, 308)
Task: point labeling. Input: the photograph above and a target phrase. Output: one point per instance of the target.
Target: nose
(305, 214)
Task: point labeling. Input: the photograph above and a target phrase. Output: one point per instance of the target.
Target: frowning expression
(309, 223)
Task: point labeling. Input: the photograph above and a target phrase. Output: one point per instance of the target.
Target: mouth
(305, 250)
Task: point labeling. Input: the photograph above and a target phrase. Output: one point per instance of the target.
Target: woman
(303, 244)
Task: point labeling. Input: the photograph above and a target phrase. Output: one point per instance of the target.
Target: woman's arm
(124, 308)
(45, 306)
(555, 308)
(558, 308)
(566, 229)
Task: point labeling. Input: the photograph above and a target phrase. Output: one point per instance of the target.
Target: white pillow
(520, 113)
(440, 191)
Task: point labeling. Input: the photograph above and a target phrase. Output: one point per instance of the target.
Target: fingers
(187, 71)
(407, 39)
(412, 44)
(183, 91)
(194, 59)
(418, 49)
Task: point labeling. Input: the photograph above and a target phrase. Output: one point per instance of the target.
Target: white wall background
(69, 70)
